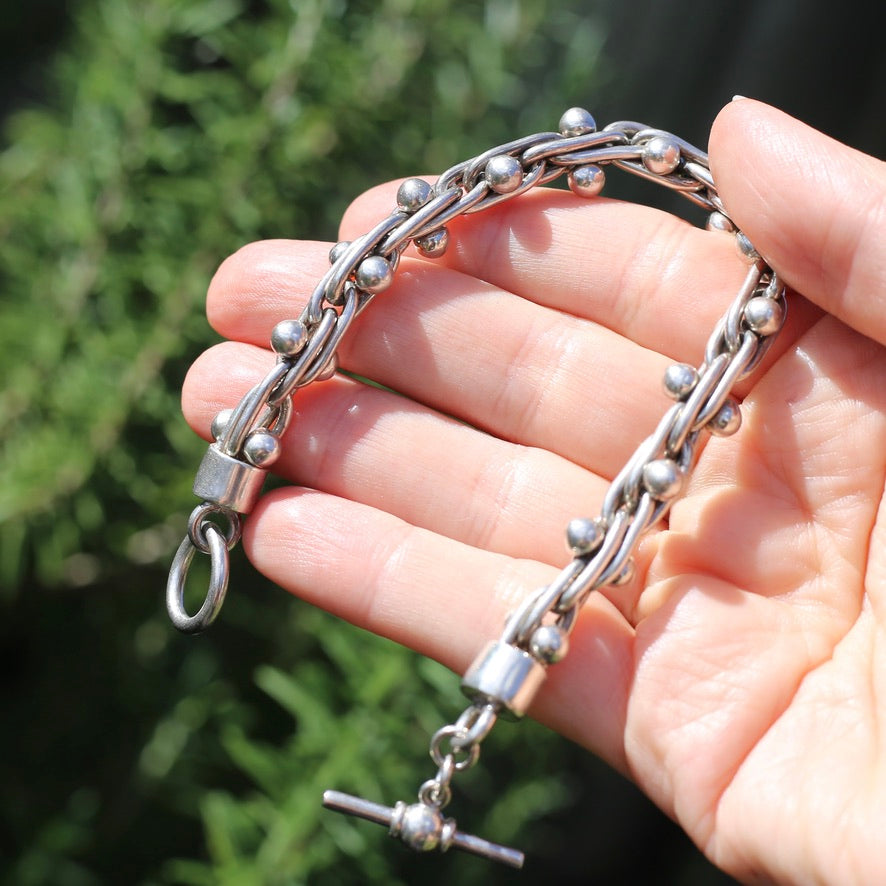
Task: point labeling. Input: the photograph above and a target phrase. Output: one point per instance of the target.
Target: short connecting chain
(505, 677)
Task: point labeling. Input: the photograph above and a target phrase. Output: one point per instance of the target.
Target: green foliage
(184, 129)
(178, 130)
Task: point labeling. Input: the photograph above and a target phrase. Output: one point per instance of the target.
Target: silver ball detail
(289, 337)
(746, 248)
(661, 155)
(504, 174)
(586, 181)
(679, 380)
(577, 121)
(719, 222)
(374, 274)
(727, 420)
(421, 827)
(433, 245)
(549, 644)
(338, 251)
(261, 449)
(413, 194)
(663, 479)
(220, 423)
(583, 535)
(764, 316)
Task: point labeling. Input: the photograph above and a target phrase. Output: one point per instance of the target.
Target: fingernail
(738, 98)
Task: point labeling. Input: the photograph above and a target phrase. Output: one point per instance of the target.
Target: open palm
(740, 678)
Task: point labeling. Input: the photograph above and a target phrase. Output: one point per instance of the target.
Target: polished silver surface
(289, 337)
(421, 827)
(586, 181)
(504, 174)
(218, 583)
(549, 643)
(583, 535)
(413, 194)
(663, 478)
(506, 675)
(228, 481)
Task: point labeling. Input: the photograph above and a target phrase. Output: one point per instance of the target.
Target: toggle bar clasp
(421, 827)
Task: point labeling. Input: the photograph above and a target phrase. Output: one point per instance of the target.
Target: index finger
(816, 209)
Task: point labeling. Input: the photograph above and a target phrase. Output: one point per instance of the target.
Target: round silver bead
(583, 535)
(586, 181)
(220, 423)
(727, 420)
(718, 222)
(261, 449)
(663, 479)
(374, 274)
(746, 248)
(504, 174)
(549, 644)
(421, 827)
(433, 245)
(338, 251)
(764, 315)
(413, 194)
(679, 380)
(577, 121)
(289, 337)
(661, 155)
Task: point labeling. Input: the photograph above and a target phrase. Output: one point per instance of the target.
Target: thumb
(814, 208)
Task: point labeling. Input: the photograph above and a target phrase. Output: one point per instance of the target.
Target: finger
(369, 445)
(809, 469)
(640, 272)
(261, 284)
(517, 370)
(759, 578)
(814, 208)
(653, 279)
(388, 577)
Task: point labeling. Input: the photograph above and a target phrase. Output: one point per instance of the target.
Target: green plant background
(168, 133)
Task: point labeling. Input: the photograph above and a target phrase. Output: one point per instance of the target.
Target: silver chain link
(505, 677)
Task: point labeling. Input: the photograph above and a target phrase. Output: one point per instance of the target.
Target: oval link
(199, 521)
(469, 753)
(243, 418)
(218, 582)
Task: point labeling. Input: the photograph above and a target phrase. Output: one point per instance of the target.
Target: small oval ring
(471, 753)
(476, 722)
(446, 770)
(432, 793)
(198, 524)
(218, 582)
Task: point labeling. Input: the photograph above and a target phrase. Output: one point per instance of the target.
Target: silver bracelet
(504, 678)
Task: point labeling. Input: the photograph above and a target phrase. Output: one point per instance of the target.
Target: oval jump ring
(218, 582)
(198, 523)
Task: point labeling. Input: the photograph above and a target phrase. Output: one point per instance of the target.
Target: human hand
(737, 679)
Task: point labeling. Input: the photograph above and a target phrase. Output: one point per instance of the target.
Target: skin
(740, 678)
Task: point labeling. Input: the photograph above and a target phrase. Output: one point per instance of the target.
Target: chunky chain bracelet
(507, 674)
